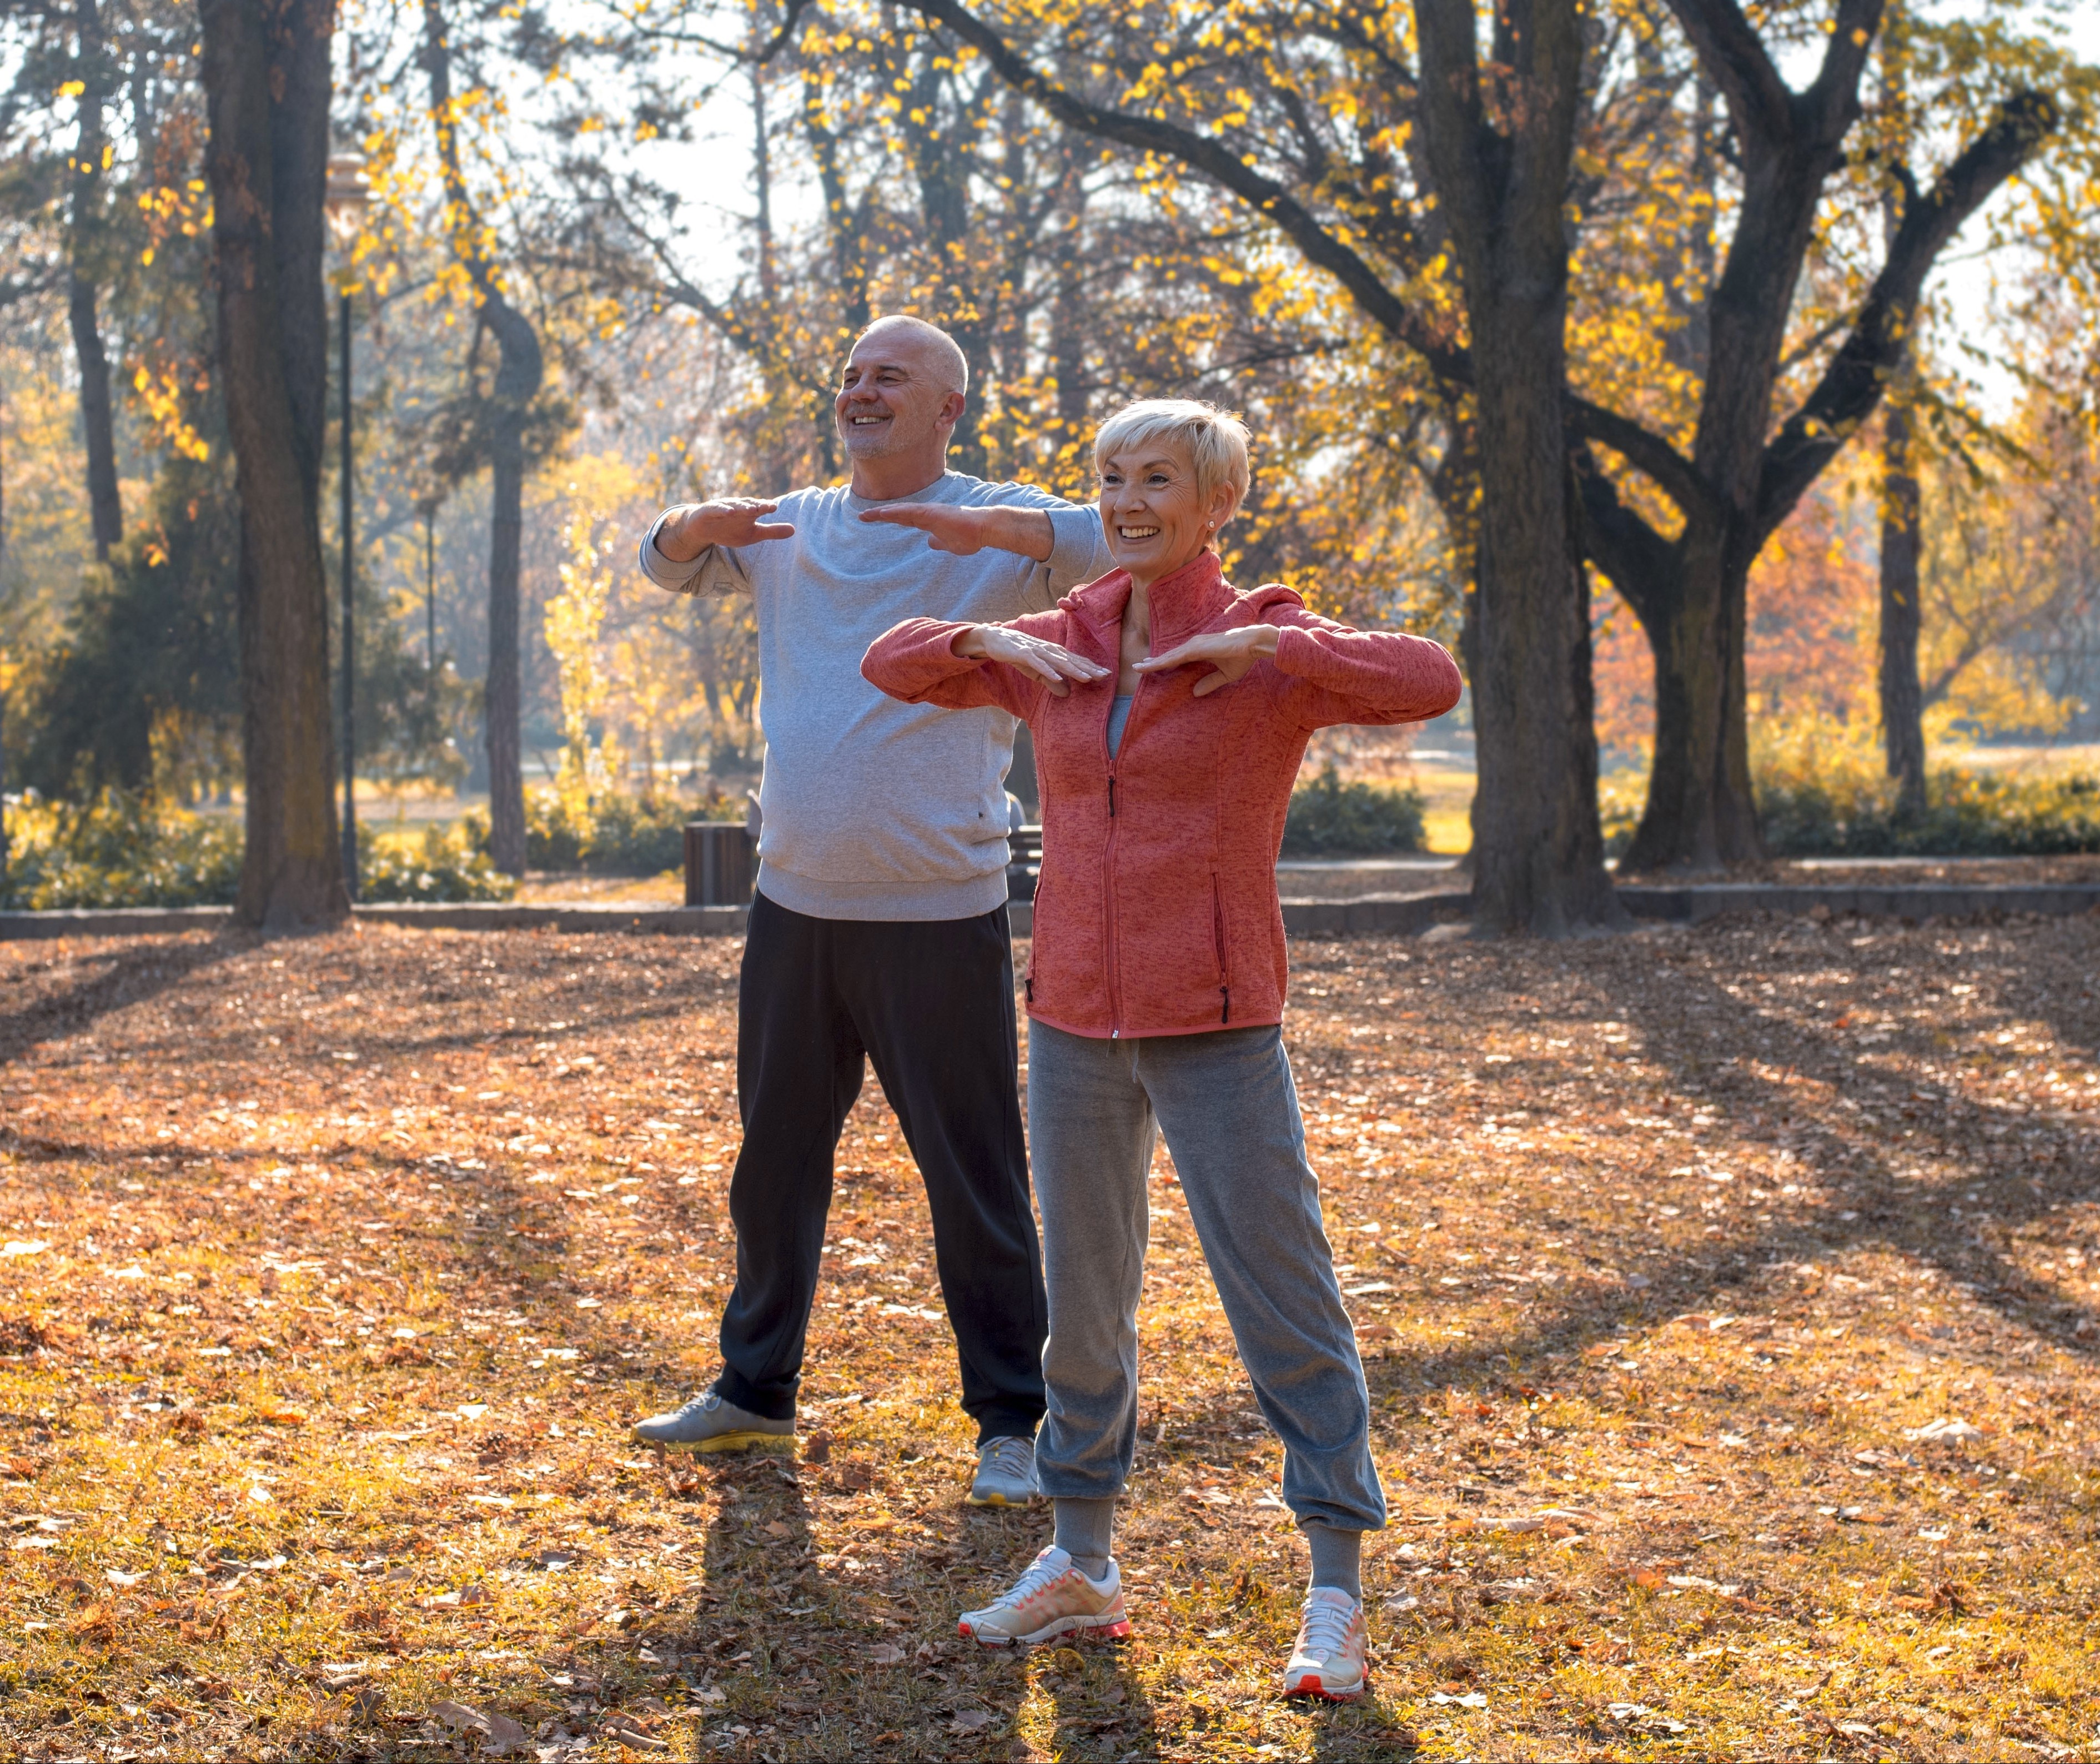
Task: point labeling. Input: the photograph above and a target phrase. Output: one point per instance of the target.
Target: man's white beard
(872, 441)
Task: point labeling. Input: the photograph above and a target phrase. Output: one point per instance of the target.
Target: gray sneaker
(1006, 1474)
(710, 1424)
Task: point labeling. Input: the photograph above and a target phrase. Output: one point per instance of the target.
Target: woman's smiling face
(1154, 519)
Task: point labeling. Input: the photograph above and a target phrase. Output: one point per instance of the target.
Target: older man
(880, 926)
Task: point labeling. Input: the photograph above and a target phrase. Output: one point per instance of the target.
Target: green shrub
(1621, 797)
(441, 865)
(616, 834)
(1822, 791)
(631, 837)
(1329, 818)
(1967, 814)
(120, 849)
(124, 849)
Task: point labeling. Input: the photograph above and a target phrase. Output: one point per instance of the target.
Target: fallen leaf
(970, 1721)
(502, 1736)
(94, 1623)
(1948, 1428)
(888, 1654)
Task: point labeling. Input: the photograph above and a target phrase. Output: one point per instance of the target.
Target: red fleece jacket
(1157, 912)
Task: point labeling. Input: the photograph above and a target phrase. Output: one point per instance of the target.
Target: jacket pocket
(1224, 948)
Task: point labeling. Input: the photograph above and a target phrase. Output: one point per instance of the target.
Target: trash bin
(721, 864)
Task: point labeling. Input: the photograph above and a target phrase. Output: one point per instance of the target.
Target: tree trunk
(521, 367)
(1693, 608)
(266, 85)
(1537, 849)
(938, 168)
(3, 683)
(83, 273)
(1741, 480)
(1902, 698)
(503, 696)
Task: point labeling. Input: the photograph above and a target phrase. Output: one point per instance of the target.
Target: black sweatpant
(931, 1003)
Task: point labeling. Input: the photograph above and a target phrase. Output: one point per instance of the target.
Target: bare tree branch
(1674, 475)
(1759, 101)
(1619, 541)
(1218, 162)
(1852, 385)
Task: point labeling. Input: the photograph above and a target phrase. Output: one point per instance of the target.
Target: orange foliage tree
(1810, 637)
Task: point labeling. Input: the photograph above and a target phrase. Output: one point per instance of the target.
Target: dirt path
(1728, 1298)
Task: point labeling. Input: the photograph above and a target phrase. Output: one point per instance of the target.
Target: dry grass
(358, 1252)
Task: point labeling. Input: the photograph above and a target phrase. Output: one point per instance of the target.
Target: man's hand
(732, 521)
(1232, 652)
(964, 531)
(1052, 663)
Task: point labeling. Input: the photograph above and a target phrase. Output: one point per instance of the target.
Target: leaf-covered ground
(1728, 1297)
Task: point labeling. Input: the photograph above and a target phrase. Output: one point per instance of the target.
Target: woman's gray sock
(1337, 1559)
(1086, 1532)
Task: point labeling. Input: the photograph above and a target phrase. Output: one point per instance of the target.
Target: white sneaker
(711, 1423)
(1006, 1474)
(1328, 1661)
(1053, 1599)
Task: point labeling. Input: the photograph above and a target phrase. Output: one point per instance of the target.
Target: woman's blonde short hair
(1217, 440)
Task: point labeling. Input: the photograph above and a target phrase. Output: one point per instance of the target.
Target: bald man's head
(940, 352)
(900, 394)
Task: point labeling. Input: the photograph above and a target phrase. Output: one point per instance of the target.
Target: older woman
(1170, 712)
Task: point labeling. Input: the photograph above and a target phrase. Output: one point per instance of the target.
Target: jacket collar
(1183, 601)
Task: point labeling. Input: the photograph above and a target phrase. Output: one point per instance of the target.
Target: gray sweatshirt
(872, 808)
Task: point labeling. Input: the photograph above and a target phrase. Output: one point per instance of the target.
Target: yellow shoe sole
(741, 1441)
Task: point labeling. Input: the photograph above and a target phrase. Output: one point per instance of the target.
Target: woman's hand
(1232, 652)
(1052, 663)
(965, 531)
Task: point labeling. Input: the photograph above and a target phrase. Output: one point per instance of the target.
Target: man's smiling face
(891, 398)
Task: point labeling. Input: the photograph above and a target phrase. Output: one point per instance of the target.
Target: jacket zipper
(1108, 859)
(1218, 933)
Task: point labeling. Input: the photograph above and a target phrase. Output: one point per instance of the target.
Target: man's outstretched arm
(965, 531)
(674, 553)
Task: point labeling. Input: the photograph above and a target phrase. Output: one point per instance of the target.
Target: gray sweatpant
(1229, 1110)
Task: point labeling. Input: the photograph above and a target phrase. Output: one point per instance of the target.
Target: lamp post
(348, 193)
(430, 590)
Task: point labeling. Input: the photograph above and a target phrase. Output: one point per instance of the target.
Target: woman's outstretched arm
(1333, 674)
(962, 667)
